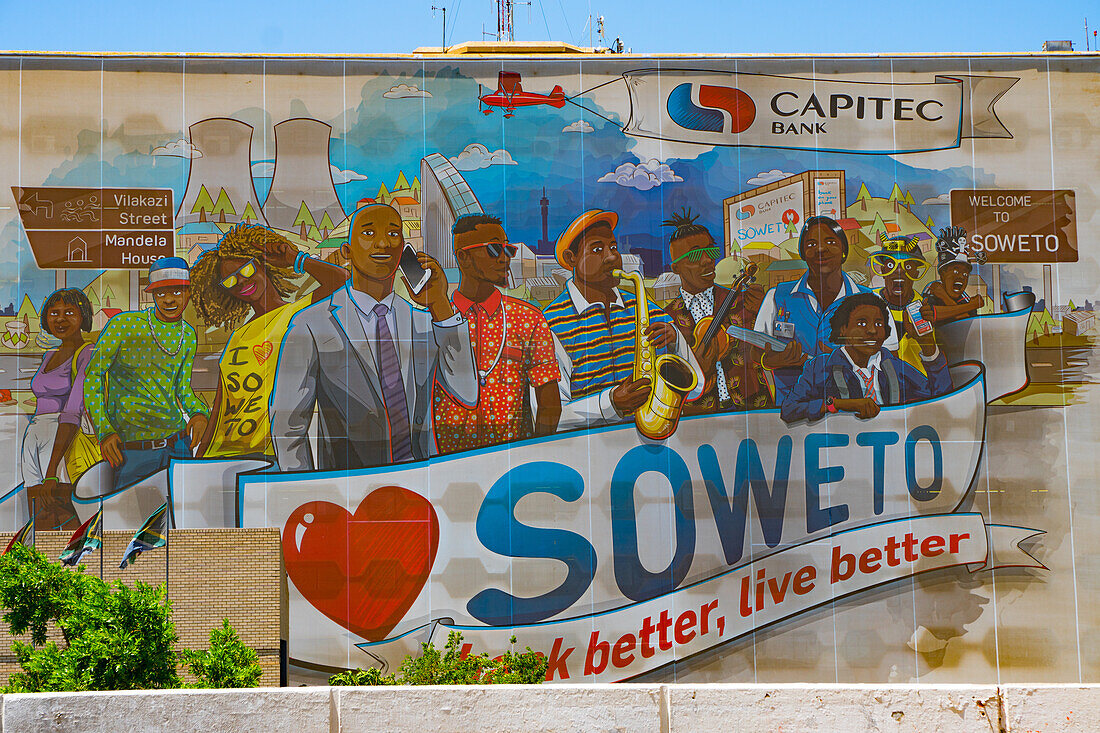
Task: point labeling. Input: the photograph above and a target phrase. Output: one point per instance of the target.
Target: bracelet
(50, 478)
(299, 262)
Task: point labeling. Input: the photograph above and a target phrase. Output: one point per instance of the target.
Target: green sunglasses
(694, 255)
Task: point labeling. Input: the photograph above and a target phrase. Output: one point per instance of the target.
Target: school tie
(869, 387)
(393, 389)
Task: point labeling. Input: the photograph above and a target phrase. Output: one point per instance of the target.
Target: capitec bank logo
(709, 108)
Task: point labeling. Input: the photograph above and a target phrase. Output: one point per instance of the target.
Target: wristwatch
(829, 406)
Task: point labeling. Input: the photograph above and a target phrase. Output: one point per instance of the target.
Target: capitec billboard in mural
(674, 369)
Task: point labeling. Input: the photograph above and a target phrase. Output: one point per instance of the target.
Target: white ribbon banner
(822, 114)
(629, 641)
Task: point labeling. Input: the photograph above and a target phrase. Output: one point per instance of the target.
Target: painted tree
(203, 203)
(878, 226)
(930, 223)
(314, 234)
(909, 201)
(326, 225)
(863, 196)
(416, 188)
(304, 220)
(896, 197)
(382, 194)
(223, 206)
(249, 214)
(402, 182)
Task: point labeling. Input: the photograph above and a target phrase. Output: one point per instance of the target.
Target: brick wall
(212, 574)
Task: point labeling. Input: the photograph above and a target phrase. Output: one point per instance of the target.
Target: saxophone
(671, 377)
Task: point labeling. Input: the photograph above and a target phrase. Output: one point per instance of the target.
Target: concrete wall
(211, 573)
(626, 707)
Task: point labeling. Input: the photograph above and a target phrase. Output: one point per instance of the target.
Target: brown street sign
(1018, 225)
(97, 228)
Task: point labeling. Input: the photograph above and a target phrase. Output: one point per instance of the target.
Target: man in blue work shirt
(798, 312)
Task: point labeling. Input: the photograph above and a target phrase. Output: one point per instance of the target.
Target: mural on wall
(712, 370)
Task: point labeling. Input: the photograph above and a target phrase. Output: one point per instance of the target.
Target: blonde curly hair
(216, 305)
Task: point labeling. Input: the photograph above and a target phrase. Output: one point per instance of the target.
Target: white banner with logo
(821, 114)
(550, 538)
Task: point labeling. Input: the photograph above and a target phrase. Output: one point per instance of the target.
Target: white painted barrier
(622, 707)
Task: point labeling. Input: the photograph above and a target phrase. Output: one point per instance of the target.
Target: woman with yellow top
(248, 276)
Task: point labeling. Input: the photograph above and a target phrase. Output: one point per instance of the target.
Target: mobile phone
(415, 275)
(919, 323)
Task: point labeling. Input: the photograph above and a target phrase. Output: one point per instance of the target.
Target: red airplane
(510, 94)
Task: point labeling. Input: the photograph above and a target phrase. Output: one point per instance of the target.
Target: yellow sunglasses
(883, 265)
(243, 272)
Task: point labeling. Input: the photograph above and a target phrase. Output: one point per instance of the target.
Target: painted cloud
(642, 176)
(768, 177)
(178, 149)
(263, 169)
(405, 91)
(339, 176)
(943, 199)
(578, 126)
(476, 155)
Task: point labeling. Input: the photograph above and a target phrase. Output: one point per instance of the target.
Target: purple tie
(393, 389)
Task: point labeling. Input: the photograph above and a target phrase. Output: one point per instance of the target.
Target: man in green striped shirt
(137, 387)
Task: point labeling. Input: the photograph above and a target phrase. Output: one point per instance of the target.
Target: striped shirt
(599, 342)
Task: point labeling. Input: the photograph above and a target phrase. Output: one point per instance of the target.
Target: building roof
(667, 279)
(200, 227)
(548, 282)
(786, 265)
(891, 227)
(459, 194)
(848, 224)
(1079, 316)
(404, 201)
(332, 243)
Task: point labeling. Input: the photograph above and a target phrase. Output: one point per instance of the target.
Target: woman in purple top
(59, 395)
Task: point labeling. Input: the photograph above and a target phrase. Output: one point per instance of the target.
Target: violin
(710, 327)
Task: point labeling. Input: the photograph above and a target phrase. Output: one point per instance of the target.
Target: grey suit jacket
(327, 361)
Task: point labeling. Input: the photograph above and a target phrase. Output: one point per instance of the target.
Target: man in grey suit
(368, 359)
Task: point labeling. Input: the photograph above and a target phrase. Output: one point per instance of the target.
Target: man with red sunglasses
(512, 345)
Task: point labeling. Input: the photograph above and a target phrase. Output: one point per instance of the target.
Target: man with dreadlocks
(734, 379)
(248, 276)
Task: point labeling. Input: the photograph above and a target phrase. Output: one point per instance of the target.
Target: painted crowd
(391, 380)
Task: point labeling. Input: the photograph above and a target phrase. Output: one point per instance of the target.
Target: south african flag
(88, 538)
(25, 537)
(153, 534)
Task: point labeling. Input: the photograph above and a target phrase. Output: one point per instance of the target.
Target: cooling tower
(302, 174)
(225, 164)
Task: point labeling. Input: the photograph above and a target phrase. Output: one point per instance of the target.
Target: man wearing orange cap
(593, 324)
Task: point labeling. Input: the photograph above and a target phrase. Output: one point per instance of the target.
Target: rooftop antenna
(444, 9)
(506, 30)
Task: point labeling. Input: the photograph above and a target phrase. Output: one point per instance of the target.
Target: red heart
(365, 570)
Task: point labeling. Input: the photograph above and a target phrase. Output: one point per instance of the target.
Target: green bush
(451, 667)
(228, 662)
(113, 637)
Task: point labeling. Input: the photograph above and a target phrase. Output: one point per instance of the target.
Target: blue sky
(646, 26)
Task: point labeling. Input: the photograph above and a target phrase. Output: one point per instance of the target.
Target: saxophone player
(593, 323)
